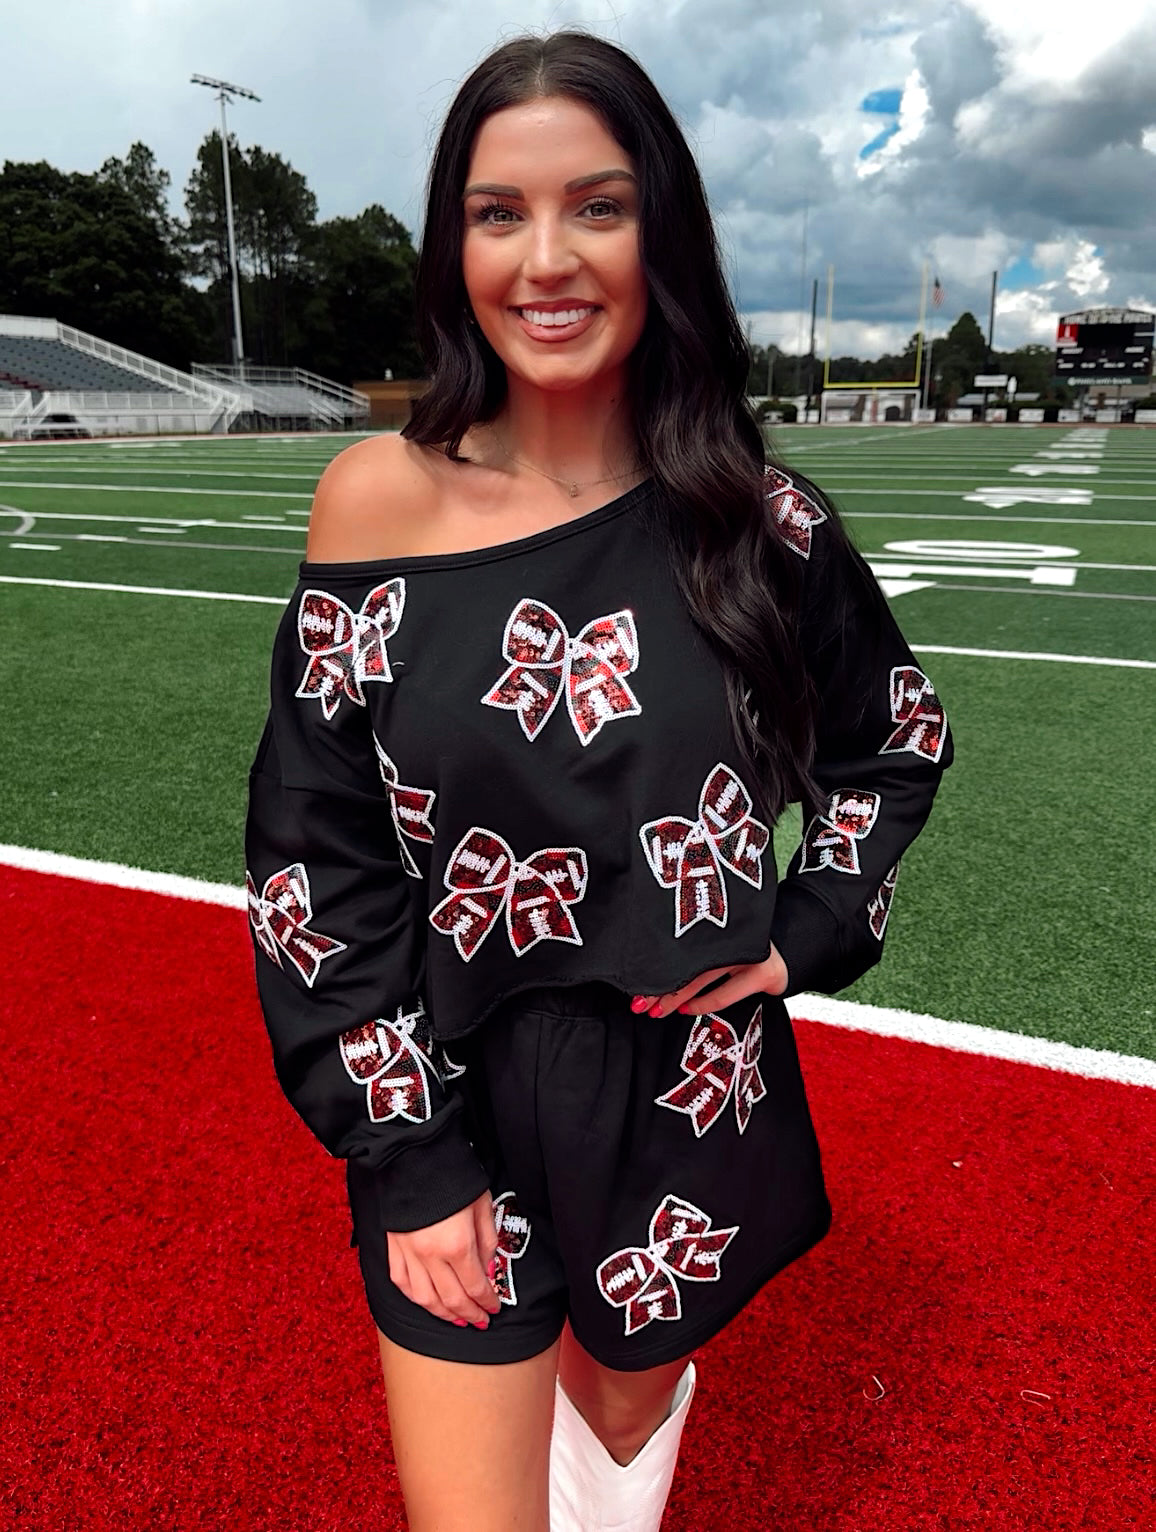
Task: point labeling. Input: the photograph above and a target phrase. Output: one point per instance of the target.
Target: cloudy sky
(1017, 135)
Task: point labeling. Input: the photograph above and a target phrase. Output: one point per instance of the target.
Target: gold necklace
(570, 485)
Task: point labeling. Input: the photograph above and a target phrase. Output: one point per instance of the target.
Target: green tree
(959, 356)
(80, 249)
(359, 316)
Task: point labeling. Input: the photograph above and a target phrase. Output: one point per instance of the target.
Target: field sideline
(1020, 561)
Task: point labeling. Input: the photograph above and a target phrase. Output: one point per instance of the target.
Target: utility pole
(811, 352)
(227, 92)
(802, 300)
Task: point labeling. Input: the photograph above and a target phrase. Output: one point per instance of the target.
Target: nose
(550, 256)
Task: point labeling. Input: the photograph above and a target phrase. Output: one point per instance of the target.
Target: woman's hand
(447, 1267)
(766, 978)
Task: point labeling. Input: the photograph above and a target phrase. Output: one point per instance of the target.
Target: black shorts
(649, 1176)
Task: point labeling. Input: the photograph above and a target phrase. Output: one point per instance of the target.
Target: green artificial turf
(1025, 904)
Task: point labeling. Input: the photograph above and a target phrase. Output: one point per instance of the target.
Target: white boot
(590, 1492)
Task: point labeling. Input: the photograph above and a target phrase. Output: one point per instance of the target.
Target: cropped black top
(514, 766)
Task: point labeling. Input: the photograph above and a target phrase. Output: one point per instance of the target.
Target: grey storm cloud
(988, 163)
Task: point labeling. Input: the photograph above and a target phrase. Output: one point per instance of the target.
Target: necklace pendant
(573, 491)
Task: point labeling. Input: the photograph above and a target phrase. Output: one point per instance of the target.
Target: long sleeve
(882, 745)
(334, 904)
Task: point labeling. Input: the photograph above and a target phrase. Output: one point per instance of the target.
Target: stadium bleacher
(43, 364)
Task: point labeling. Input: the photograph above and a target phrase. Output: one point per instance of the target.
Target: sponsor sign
(991, 380)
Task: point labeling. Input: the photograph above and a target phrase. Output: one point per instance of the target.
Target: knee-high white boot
(590, 1492)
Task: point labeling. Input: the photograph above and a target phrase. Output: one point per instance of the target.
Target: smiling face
(550, 252)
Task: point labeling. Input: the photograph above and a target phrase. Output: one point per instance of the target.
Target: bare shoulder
(370, 498)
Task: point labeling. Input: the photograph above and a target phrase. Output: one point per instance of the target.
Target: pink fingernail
(479, 1326)
(684, 1010)
(461, 1323)
(638, 1003)
(656, 1011)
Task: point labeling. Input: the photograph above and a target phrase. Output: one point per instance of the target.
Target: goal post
(866, 384)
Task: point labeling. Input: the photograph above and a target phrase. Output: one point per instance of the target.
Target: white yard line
(958, 1036)
(1006, 489)
(154, 489)
(965, 1037)
(1033, 654)
(179, 523)
(1046, 521)
(143, 590)
(199, 473)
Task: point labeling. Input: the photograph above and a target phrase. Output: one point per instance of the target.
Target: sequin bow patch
(485, 877)
(689, 855)
(410, 807)
(513, 1231)
(346, 647)
(280, 916)
(918, 714)
(643, 1281)
(831, 839)
(396, 1061)
(794, 513)
(716, 1064)
(545, 663)
(880, 904)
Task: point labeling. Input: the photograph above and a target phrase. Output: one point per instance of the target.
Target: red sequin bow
(880, 906)
(715, 1063)
(831, 839)
(919, 715)
(411, 808)
(794, 514)
(395, 1061)
(346, 647)
(513, 1231)
(280, 916)
(484, 878)
(688, 856)
(682, 1244)
(546, 662)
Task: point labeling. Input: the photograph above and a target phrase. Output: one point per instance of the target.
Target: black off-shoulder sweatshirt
(489, 770)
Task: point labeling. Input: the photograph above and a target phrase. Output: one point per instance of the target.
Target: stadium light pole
(227, 92)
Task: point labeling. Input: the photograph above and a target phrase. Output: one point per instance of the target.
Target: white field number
(975, 559)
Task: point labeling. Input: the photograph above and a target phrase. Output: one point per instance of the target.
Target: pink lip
(555, 333)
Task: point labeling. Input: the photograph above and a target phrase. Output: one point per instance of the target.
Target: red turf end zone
(187, 1344)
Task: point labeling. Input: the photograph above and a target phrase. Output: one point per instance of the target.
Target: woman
(559, 656)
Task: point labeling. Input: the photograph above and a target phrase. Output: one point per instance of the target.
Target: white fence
(96, 414)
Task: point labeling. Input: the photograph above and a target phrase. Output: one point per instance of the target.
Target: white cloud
(1055, 41)
(914, 106)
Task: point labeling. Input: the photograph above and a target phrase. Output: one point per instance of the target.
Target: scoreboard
(1099, 346)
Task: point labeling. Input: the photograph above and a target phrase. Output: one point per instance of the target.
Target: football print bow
(794, 514)
(485, 878)
(717, 1063)
(880, 906)
(831, 838)
(918, 713)
(643, 1281)
(411, 808)
(395, 1061)
(346, 647)
(545, 663)
(513, 1231)
(689, 855)
(280, 916)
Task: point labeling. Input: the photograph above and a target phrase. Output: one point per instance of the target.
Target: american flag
(937, 292)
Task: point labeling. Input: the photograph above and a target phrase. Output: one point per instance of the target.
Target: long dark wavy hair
(695, 434)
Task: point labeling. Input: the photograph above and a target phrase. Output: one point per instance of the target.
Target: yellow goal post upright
(859, 401)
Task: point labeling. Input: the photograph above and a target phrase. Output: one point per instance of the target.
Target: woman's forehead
(544, 141)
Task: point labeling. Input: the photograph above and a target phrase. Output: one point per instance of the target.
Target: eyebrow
(491, 189)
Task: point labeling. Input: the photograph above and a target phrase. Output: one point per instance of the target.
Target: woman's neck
(580, 434)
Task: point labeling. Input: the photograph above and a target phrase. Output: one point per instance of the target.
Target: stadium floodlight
(227, 92)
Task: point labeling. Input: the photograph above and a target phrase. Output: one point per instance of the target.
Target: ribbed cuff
(808, 938)
(428, 1181)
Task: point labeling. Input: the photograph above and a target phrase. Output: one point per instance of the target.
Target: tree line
(102, 252)
(956, 360)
